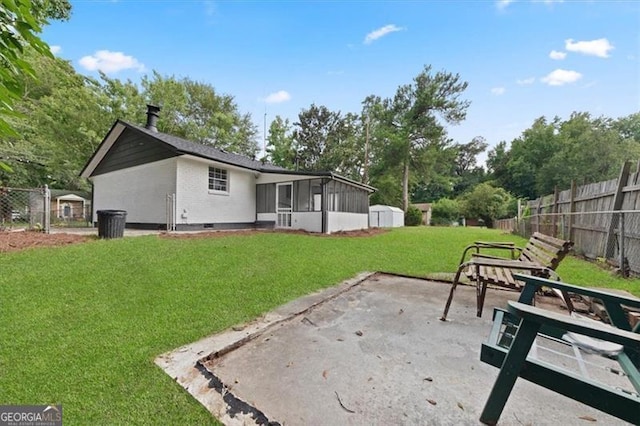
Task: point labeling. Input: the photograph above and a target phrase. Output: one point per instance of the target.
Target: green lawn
(80, 325)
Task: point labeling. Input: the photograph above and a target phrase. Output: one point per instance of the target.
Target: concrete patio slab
(369, 351)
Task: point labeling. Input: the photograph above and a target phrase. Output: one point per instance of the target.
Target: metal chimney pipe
(153, 111)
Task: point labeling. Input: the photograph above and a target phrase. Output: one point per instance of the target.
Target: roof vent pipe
(153, 112)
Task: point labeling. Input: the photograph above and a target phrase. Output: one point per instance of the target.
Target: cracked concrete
(368, 351)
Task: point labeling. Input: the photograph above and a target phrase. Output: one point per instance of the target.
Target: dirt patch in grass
(218, 234)
(20, 240)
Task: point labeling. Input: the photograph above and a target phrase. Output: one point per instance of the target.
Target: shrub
(485, 202)
(445, 211)
(413, 216)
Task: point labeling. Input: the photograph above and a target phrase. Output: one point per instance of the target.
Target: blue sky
(523, 59)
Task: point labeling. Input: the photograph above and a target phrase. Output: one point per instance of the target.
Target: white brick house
(161, 180)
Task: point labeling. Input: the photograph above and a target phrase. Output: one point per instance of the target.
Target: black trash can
(111, 223)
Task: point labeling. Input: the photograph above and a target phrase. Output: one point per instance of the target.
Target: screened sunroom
(312, 202)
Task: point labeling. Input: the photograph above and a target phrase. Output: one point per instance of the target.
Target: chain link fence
(37, 209)
(71, 216)
(612, 237)
(22, 208)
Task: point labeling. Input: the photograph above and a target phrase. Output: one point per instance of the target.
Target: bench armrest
(588, 328)
(495, 244)
(491, 245)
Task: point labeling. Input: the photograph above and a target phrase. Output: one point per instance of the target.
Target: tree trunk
(405, 186)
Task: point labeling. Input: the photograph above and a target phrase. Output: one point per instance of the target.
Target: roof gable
(128, 145)
(69, 197)
(381, 208)
(131, 149)
(57, 193)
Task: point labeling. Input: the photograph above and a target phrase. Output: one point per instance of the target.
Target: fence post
(617, 205)
(538, 213)
(623, 269)
(572, 208)
(554, 211)
(47, 209)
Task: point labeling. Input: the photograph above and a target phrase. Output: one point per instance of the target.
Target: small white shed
(385, 216)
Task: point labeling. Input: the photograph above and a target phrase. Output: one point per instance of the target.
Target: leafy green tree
(629, 127)
(122, 100)
(413, 216)
(281, 150)
(314, 132)
(194, 111)
(54, 137)
(413, 119)
(466, 169)
(552, 154)
(20, 22)
(466, 160)
(389, 190)
(589, 150)
(497, 163)
(344, 153)
(326, 140)
(435, 177)
(383, 170)
(445, 211)
(529, 153)
(485, 202)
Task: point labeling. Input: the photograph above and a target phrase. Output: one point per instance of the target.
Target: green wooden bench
(516, 329)
(541, 256)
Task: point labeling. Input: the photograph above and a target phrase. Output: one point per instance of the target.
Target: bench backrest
(545, 250)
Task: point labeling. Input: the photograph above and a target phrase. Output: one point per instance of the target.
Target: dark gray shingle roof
(187, 147)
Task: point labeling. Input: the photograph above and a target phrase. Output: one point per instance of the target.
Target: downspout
(93, 204)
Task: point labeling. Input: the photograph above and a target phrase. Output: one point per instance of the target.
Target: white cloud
(209, 8)
(526, 81)
(599, 47)
(554, 54)
(381, 32)
(502, 4)
(277, 97)
(561, 77)
(55, 49)
(110, 62)
(498, 91)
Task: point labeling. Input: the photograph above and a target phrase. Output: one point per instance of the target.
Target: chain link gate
(22, 208)
(171, 212)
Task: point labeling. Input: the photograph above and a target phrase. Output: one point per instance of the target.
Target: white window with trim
(218, 180)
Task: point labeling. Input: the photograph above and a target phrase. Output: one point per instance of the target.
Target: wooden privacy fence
(507, 225)
(602, 219)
